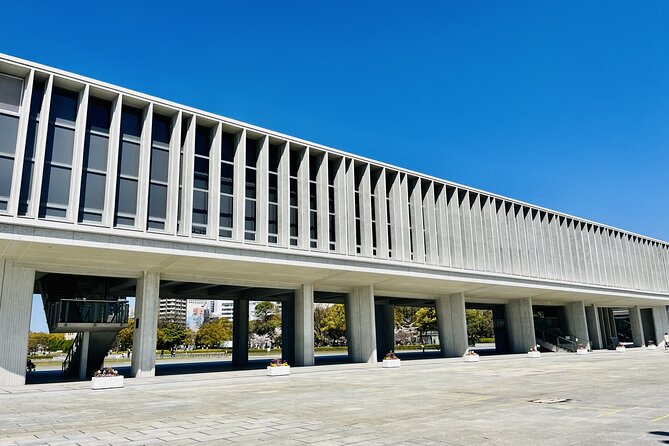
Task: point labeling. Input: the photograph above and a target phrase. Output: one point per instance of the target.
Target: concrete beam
(452, 323)
(16, 299)
(520, 325)
(147, 304)
(360, 324)
(304, 325)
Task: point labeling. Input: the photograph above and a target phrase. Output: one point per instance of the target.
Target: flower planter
(391, 363)
(620, 349)
(534, 354)
(106, 382)
(471, 358)
(651, 347)
(281, 370)
(581, 351)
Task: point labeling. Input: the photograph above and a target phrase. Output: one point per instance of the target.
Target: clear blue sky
(560, 104)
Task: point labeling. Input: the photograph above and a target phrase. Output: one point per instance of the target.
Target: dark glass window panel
(125, 221)
(331, 200)
(313, 203)
(131, 122)
(200, 206)
(273, 219)
(31, 140)
(273, 191)
(95, 152)
(201, 181)
(157, 225)
(273, 158)
(250, 215)
(225, 233)
(374, 235)
(250, 183)
(357, 205)
(225, 218)
(313, 167)
(159, 164)
(251, 152)
(293, 222)
(99, 115)
(161, 129)
(93, 188)
(53, 212)
(91, 217)
(201, 165)
(332, 172)
(64, 106)
(228, 147)
(295, 157)
(373, 202)
(357, 232)
(184, 131)
(390, 239)
(26, 186)
(333, 232)
(6, 168)
(60, 143)
(272, 239)
(157, 201)
(127, 196)
(293, 242)
(10, 93)
(36, 99)
(9, 126)
(56, 185)
(202, 140)
(129, 162)
(249, 236)
(313, 225)
(227, 173)
(293, 192)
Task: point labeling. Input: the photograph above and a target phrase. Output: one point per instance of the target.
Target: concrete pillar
(147, 304)
(16, 299)
(520, 323)
(452, 323)
(304, 325)
(83, 357)
(288, 331)
(360, 324)
(637, 328)
(576, 321)
(240, 332)
(661, 321)
(594, 330)
(385, 329)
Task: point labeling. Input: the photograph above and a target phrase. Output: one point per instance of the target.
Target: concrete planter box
(620, 349)
(106, 382)
(651, 347)
(581, 351)
(534, 354)
(471, 358)
(391, 363)
(281, 370)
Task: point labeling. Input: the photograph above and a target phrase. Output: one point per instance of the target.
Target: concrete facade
(211, 200)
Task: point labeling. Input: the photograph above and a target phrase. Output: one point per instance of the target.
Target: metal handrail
(70, 353)
(568, 343)
(85, 311)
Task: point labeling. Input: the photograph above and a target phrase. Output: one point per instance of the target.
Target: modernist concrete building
(107, 193)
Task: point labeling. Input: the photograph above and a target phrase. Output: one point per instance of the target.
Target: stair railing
(71, 352)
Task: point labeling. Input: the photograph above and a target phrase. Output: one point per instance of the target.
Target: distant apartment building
(172, 310)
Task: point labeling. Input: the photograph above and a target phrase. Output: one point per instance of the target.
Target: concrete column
(637, 328)
(576, 320)
(661, 321)
(520, 323)
(360, 325)
(147, 304)
(83, 357)
(594, 330)
(304, 325)
(288, 331)
(240, 332)
(385, 329)
(452, 323)
(16, 291)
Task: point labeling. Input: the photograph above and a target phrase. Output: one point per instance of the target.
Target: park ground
(604, 398)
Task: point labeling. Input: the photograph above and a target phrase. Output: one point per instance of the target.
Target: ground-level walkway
(612, 398)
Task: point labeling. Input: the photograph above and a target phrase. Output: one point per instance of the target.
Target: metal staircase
(557, 343)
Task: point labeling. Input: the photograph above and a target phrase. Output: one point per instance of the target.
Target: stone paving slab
(613, 399)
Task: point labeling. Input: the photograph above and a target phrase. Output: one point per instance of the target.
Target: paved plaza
(613, 398)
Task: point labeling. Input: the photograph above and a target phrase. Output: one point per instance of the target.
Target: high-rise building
(172, 310)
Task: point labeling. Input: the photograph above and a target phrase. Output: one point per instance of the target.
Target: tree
(404, 316)
(38, 342)
(170, 335)
(319, 315)
(333, 324)
(425, 320)
(267, 319)
(124, 337)
(212, 334)
(479, 325)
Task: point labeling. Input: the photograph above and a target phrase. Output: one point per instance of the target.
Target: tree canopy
(213, 333)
